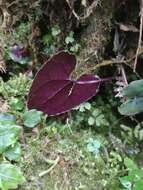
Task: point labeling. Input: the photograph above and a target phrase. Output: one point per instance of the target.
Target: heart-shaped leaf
(132, 106)
(13, 152)
(54, 92)
(10, 176)
(20, 54)
(32, 118)
(7, 118)
(8, 136)
(134, 89)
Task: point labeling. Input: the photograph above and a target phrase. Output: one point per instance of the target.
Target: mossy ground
(75, 168)
(86, 151)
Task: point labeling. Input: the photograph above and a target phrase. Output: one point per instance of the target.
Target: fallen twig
(51, 168)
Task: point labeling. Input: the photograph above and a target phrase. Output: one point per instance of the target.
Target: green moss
(77, 167)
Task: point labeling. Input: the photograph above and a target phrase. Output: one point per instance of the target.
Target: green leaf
(16, 104)
(93, 146)
(32, 118)
(21, 60)
(47, 39)
(133, 181)
(91, 121)
(96, 112)
(141, 134)
(75, 48)
(135, 88)
(83, 107)
(14, 152)
(10, 177)
(138, 185)
(8, 136)
(7, 118)
(132, 107)
(127, 182)
(130, 164)
(87, 105)
(138, 174)
(56, 31)
(49, 49)
(69, 39)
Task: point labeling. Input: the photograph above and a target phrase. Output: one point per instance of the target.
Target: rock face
(94, 30)
(96, 36)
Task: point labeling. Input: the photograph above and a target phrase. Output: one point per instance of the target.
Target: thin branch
(114, 61)
(73, 11)
(140, 35)
(89, 10)
(124, 75)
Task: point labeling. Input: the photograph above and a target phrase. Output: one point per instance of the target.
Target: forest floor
(94, 147)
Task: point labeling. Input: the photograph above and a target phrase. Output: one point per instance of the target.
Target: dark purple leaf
(19, 51)
(53, 91)
(59, 67)
(20, 54)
